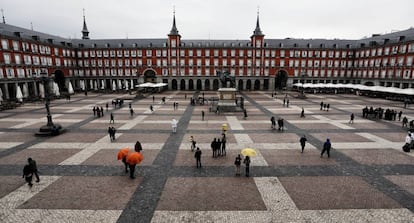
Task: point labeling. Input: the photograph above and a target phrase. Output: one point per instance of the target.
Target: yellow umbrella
(248, 152)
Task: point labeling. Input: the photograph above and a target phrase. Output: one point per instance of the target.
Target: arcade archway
(281, 80)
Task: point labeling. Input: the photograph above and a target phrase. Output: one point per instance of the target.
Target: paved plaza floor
(368, 177)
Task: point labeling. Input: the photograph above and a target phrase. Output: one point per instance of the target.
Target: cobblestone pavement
(368, 177)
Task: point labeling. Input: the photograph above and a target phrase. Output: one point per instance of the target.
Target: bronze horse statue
(225, 76)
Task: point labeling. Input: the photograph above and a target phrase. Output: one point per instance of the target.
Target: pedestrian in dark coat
(131, 112)
(213, 147)
(303, 142)
(28, 175)
(33, 168)
(102, 113)
(138, 147)
(111, 120)
(287, 103)
(273, 121)
(405, 121)
(246, 162)
(223, 144)
(351, 121)
(218, 147)
(202, 115)
(94, 111)
(197, 155)
(399, 116)
(151, 108)
(321, 105)
(113, 133)
(110, 132)
(237, 163)
(302, 113)
(326, 147)
(107, 105)
(327, 107)
(245, 114)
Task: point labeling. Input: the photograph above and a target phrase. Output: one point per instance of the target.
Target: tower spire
(2, 15)
(174, 30)
(258, 31)
(85, 32)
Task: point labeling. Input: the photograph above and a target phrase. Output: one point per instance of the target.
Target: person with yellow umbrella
(247, 153)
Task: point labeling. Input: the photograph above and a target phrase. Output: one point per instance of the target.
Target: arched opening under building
(256, 85)
(190, 84)
(150, 76)
(369, 83)
(281, 80)
(174, 84)
(249, 85)
(182, 84)
(215, 84)
(207, 85)
(199, 85)
(60, 80)
(240, 87)
(266, 84)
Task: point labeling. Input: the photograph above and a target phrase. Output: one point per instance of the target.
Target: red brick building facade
(257, 63)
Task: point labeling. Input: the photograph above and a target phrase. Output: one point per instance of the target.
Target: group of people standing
(324, 106)
(98, 111)
(280, 123)
(218, 146)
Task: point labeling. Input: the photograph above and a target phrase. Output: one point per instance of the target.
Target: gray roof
(405, 35)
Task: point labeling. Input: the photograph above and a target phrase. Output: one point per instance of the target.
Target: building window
(6, 58)
(207, 53)
(4, 44)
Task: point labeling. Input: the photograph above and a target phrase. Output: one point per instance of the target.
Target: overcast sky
(212, 19)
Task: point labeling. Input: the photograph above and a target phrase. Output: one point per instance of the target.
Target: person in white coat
(174, 123)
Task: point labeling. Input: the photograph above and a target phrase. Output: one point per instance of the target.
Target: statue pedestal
(227, 100)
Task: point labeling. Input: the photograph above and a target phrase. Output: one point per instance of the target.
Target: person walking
(107, 106)
(223, 144)
(399, 115)
(303, 142)
(138, 147)
(213, 147)
(405, 122)
(174, 123)
(151, 108)
(197, 155)
(327, 148)
(202, 115)
(327, 107)
(94, 111)
(28, 175)
(110, 133)
(33, 168)
(193, 143)
(237, 163)
(245, 114)
(112, 120)
(273, 121)
(102, 113)
(246, 162)
(287, 102)
(351, 120)
(131, 112)
(321, 104)
(302, 113)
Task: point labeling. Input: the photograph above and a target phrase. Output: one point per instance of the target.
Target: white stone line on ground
(87, 152)
(379, 143)
(60, 216)
(212, 216)
(274, 194)
(234, 123)
(359, 215)
(100, 120)
(24, 193)
(243, 139)
(145, 146)
(133, 122)
(235, 146)
(8, 145)
(60, 145)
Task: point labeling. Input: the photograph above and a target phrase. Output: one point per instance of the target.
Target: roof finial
(85, 32)
(257, 31)
(174, 30)
(2, 14)
(31, 25)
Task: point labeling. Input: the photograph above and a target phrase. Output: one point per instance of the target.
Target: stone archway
(249, 84)
(215, 84)
(182, 84)
(256, 85)
(174, 84)
(150, 76)
(281, 80)
(199, 85)
(207, 85)
(240, 87)
(190, 84)
(60, 80)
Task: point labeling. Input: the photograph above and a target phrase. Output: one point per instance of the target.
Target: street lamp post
(50, 129)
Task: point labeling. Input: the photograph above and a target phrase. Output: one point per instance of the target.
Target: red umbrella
(123, 152)
(134, 158)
